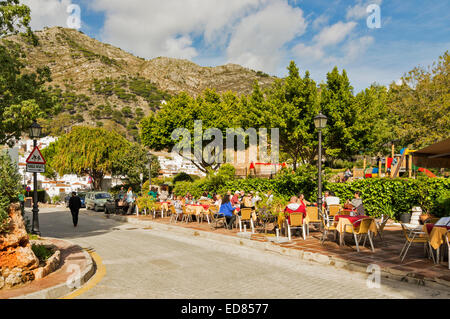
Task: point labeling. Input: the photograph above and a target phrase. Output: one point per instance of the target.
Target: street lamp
(320, 121)
(35, 133)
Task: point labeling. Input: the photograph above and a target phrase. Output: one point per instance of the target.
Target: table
(197, 209)
(436, 237)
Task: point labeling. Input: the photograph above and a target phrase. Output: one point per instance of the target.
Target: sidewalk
(76, 266)
(416, 268)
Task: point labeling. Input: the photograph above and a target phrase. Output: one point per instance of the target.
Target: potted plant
(405, 217)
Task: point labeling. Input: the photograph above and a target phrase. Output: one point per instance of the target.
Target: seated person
(204, 196)
(177, 204)
(247, 202)
(164, 194)
(235, 199)
(302, 201)
(358, 205)
(331, 200)
(226, 209)
(217, 200)
(294, 207)
(153, 193)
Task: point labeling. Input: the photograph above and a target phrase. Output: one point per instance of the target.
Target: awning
(434, 156)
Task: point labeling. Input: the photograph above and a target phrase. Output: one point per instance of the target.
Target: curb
(243, 240)
(63, 289)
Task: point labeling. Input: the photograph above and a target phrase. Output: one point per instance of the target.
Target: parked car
(82, 196)
(97, 200)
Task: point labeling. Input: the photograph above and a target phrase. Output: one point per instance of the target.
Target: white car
(97, 200)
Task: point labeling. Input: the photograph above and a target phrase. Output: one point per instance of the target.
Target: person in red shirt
(235, 199)
(302, 201)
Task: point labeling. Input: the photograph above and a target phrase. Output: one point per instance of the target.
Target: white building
(171, 166)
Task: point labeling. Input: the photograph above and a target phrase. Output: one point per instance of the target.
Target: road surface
(148, 263)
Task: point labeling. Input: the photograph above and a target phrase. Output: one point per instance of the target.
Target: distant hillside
(99, 84)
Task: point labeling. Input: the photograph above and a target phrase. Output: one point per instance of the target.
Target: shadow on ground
(57, 223)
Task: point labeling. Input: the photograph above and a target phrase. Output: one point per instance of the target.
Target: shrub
(9, 188)
(42, 253)
(56, 199)
(443, 204)
(182, 177)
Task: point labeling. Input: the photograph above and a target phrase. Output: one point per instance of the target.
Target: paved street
(147, 263)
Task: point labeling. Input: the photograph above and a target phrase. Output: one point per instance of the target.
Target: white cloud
(48, 13)
(358, 47)
(320, 21)
(249, 32)
(169, 27)
(329, 36)
(334, 34)
(258, 39)
(359, 10)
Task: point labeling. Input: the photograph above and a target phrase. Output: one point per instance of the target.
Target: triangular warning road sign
(36, 157)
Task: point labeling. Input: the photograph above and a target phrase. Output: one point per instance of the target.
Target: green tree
(132, 163)
(23, 97)
(422, 104)
(374, 123)
(9, 187)
(291, 106)
(214, 110)
(337, 103)
(88, 151)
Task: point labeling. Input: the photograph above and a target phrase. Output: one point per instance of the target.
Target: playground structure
(391, 166)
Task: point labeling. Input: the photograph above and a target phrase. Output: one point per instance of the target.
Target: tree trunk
(97, 178)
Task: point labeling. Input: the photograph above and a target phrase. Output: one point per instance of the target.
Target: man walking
(74, 205)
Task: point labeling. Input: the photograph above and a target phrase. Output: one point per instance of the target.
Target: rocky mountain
(99, 84)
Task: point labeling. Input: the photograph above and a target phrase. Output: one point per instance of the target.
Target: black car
(112, 206)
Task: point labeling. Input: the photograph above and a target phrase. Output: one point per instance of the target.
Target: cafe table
(436, 234)
(197, 209)
(340, 222)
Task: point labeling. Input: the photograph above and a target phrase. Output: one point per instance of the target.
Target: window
(102, 196)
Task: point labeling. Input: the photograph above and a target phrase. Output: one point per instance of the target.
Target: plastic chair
(363, 230)
(312, 212)
(415, 236)
(334, 210)
(328, 226)
(157, 209)
(186, 215)
(246, 216)
(295, 221)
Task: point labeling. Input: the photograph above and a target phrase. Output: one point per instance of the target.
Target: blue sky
(266, 34)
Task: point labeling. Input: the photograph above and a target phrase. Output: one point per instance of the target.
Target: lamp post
(35, 133)
(320, 121)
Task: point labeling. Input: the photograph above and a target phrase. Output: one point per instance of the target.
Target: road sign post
(36, 164)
